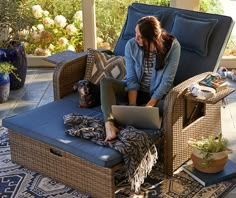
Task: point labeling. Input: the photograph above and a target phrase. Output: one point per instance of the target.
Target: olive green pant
(114, 92)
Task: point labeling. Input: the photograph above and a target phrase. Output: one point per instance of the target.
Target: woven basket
(215, 163)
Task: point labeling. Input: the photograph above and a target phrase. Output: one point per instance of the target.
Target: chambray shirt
(161, 80)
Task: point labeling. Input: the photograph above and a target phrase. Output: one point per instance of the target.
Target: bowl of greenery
(210, 154)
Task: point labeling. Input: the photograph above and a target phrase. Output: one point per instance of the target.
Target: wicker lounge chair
(178, 108)
(184, 116)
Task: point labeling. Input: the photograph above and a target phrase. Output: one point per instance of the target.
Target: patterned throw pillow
(100, 64)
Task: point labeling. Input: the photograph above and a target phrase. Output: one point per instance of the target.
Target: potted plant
(6, 69)
(12, 22)
(210, 154)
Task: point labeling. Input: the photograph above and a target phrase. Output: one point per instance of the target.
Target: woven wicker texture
(98, 181)
(64, 167)
(66, 74)
(176, 134)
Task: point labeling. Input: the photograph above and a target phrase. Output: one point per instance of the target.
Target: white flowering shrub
(51, 34)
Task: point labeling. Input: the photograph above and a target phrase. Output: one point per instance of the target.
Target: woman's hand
(152, 102)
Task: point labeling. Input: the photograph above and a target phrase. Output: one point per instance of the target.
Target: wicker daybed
(37, 137)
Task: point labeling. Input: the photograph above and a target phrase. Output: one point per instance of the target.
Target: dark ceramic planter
(17, 57)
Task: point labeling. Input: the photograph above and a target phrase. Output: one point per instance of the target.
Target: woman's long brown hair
(152, 32)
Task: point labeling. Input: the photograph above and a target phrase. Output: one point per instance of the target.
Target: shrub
(66, 8)
(51, 34)
(211, 6)
(12, 20)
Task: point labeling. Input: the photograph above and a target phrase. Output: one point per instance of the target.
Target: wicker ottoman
(38, 142)
(62, 166)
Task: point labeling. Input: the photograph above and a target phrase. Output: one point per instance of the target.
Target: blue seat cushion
(45, 124)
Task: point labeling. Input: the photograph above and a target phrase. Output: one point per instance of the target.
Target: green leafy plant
(208, 146)
(211, 6)
(8, 68)
(231, 46)
(12, 21)
(51, 34)
(211, 144)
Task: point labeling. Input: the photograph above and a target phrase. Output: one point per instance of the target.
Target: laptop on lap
(141, 117)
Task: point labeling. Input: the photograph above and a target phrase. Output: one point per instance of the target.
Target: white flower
(46, 52)
(63, 41)
(78, 15)
(81, 25)
(26, 44)
(48, 22)
(51, 47)
(42, 52)
(40, 27)
(23, 34)
(71, 29)
(45, 13)
(60, 21)
(99, 40)
(34, 28)
(71, 47)
(37, 11)
(36, 8)
(38, 51)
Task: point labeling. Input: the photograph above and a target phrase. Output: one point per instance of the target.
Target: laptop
(137, 116)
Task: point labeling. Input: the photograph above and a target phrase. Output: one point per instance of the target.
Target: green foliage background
(66, 8)
(110, 15)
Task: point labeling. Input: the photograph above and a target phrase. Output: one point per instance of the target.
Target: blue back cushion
(197, 28)
(133, 17)
(135, 12)
(199, 55)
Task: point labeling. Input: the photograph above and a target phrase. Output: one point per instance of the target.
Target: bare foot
(111, 131)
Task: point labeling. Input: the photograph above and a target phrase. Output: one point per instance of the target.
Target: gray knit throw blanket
(139, 152)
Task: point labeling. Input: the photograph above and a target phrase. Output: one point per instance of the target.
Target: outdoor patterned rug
(19, 182)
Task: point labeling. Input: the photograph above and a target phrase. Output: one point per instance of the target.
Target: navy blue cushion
(135, 12)
(133, 16)
(45, 124)
(193, 33)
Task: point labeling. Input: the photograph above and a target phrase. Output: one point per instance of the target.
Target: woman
(151, 59)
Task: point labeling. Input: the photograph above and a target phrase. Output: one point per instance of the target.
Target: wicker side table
(63, 57)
